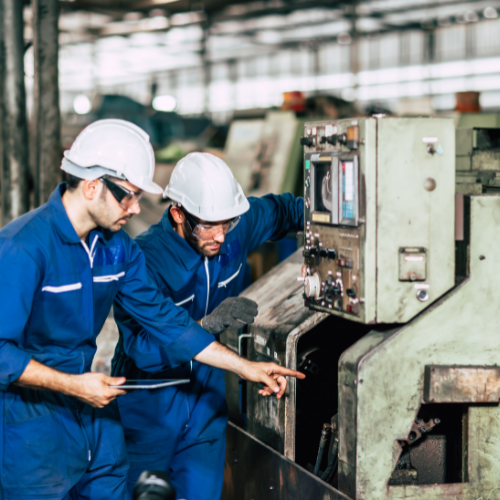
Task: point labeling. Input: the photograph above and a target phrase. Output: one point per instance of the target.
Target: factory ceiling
(263, 21)
(106, 44)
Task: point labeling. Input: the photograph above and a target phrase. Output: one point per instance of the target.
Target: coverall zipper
(91, 251)
(208, 284)
(87, 443)
(91, 259)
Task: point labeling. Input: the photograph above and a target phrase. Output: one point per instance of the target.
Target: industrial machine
(478, 160)
(265, 155)
(393, 319)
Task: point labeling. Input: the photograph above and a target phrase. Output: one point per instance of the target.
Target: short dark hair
(72, 182)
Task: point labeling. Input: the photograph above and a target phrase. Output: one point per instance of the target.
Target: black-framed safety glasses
(209, 231)
(123, 196)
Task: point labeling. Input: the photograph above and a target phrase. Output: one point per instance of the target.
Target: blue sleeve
(272, 217)
(19, 280)
(156, 333)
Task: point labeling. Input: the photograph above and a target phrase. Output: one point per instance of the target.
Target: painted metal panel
(254, 471)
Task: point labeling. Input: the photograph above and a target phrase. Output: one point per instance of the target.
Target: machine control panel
(332, 206)
(374, 217)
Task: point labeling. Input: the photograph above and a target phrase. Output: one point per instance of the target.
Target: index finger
(281, 370)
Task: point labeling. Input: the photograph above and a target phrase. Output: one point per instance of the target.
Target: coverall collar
(187, 254)
(63, 224)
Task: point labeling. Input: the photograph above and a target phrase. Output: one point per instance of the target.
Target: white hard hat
(113, 147)
(205, 186)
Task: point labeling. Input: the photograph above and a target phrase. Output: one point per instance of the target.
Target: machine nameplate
(321, 218)
(462, 384)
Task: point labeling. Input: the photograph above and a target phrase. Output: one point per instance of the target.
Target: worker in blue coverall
(63, 265)
(196, 254)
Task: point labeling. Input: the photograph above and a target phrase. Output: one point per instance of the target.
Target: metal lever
(240, 337)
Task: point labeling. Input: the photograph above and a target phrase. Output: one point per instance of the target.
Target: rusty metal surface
(418, 428)
(254, 471)
(282, 320)
(429, 459)
(439, 491)
(462, 384)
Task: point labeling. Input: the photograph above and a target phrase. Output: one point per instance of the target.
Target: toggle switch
(307, 141)
(332, 254)
(342, 138)
(330, 140)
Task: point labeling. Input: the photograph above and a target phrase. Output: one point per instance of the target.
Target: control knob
(312, 286)
(311, 252)
(332, 139)
(334, 290)
(307, 141)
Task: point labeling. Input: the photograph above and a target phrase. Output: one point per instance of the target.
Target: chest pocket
(62, 288)
(231, 278)
(59, 301)
(108, 278)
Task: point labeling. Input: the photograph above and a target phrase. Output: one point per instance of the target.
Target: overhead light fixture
(157, 13)
(133, 16)
(471, 16)
(268, 37)
(344, 39)
(82, 104)
(164, 103)
(490, 13)
(443, 22)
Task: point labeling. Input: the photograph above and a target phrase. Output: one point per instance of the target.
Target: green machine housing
(399, 339)
(379, 216)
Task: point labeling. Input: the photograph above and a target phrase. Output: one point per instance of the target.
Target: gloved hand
(235, 311)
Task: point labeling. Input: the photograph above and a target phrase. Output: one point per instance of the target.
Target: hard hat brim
(150, 187)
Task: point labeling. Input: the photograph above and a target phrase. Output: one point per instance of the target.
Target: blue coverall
(55, 294)
(182, 429)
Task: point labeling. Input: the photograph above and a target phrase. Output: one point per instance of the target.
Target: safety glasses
(209, 231)
(123, 196)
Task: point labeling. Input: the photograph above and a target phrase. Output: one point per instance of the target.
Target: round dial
(312, 286)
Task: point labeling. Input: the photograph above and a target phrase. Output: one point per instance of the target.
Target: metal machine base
(254, 471)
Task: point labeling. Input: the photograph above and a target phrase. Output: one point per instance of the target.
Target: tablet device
(149, 384)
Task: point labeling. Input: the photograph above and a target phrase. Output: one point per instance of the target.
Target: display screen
(323, 188)
(349, 190)
(335, 191)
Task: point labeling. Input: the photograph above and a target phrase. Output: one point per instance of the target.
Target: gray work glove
(235, 311)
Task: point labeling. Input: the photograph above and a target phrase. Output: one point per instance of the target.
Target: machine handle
(240, 338)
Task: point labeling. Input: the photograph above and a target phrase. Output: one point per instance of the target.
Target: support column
(355, 48)
(205, 61)
(14, 136)
(46, 113)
